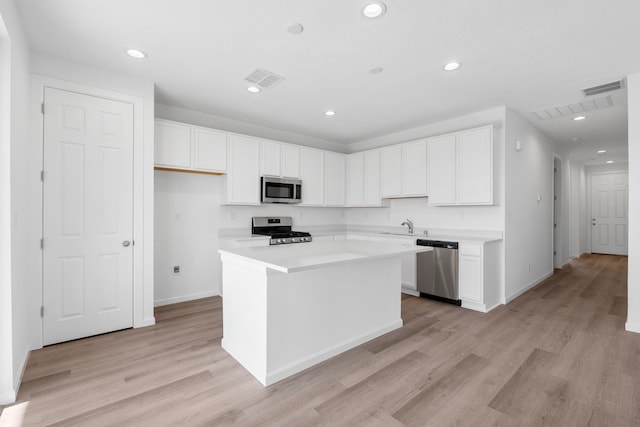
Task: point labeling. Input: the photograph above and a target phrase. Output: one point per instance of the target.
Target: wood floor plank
(558, 355)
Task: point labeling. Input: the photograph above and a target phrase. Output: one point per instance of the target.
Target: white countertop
(308, 256)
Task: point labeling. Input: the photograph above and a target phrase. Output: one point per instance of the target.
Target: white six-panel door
(88, 216)
(609, 207)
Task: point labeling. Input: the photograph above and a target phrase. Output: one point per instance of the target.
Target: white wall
(15, 219)
(633, 316)
(188, 216)
(528, 232)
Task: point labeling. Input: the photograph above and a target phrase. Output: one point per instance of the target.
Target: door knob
(126, 243)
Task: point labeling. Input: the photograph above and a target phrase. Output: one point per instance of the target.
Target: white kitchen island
(289, 307)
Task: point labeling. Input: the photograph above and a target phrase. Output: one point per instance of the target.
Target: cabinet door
(470, 273)
(475, 167)
(334, 177)
(270, 154)
(414, 168)
(172, 144)
(209, 150)
(391, 171)
(355, 179)
(312, 169)
(441, 170)
(243, 177)
(371, 184)
(290, 161)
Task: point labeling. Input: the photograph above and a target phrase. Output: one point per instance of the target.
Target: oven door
(280, 190)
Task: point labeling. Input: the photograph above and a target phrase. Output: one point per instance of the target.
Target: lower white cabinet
(478, 277)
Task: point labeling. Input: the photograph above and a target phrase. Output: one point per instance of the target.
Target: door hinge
(42, 108)
(41, 243)
(42, 311)
(42, 176)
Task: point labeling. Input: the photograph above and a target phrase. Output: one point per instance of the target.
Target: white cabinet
(478, 275)
(475, 166)
(441, 170)
(391, 171)
(279, 159)
(312, 171)
(414, 169)
(334, 179)
(209, 150)
(243, 177)
(403, 170)
(355, 179)
(363, 179)
(172, 144)
(189, 148)
(460, 168)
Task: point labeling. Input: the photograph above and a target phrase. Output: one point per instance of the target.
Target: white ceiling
(527, 55)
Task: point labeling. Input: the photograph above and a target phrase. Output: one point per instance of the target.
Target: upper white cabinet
(185, 147)
(172, 144)
(363, 179)
(460, 168)
(414, 169)
(243, 176)
(209, 150)
(279, 159)
(391, 171)
(334, 179)
(403, 170)
(312, 174)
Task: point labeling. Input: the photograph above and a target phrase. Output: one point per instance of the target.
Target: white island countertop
(308, 256)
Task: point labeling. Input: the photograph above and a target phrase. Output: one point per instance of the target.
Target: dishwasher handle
(437, 244)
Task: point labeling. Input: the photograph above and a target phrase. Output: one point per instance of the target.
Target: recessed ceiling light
(601, 151)
(609, 161)
(295, 28)
(452, 66)
(374, 9)
(135, 53)
(578, 118)
(253, 89)
(329, 113)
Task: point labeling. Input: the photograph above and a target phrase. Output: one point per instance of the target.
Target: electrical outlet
(176, 269)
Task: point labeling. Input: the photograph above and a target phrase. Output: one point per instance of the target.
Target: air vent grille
(607, 87)
(576, 108)
(263, 78)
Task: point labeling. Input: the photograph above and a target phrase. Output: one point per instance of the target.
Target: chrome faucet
(409, 224)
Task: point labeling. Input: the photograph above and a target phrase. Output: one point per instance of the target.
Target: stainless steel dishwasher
(437, 271)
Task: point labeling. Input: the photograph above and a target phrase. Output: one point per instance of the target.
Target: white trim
(183, 298)
(410, 291)
(142, 203)
(531, 285)
(632, 327)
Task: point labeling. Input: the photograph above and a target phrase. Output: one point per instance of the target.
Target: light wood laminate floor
(558, 355)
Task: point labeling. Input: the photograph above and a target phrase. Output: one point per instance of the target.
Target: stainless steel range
(279, 229)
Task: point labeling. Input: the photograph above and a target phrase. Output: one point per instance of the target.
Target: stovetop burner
(279, 229)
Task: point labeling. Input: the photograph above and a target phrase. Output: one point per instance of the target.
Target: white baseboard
(183, 298)
(7, 397)
(632, 327)
(410, 291)
(535, 283)
(147, 321)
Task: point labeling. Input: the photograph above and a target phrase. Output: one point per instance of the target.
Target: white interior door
(609, 207)
(88, 216)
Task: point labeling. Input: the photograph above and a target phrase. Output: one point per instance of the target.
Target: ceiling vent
(263, 78)
(607, 87)
(577, 108)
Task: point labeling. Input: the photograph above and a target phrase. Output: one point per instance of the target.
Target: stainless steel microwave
(280, 190)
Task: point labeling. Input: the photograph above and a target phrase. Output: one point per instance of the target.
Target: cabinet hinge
(42, 108)
(42, 176)
(42, 311)
(41, 243)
